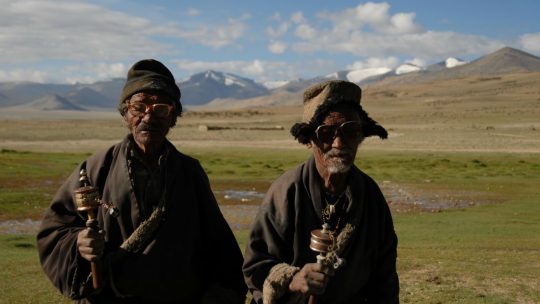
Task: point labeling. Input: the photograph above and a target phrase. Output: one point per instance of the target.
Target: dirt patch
(27, 226)
(402, 198)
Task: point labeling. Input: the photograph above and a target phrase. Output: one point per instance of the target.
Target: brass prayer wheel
(87, 201)
(86, 197)
(322, 240)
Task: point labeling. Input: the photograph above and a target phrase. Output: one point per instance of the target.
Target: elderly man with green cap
(160, 236)
(324, 232)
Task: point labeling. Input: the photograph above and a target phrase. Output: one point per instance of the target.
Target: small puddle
(244, 196)
(239, 197)
(239, 207)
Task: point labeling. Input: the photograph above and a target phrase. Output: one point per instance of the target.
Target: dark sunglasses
(349, 130)
(160, 110)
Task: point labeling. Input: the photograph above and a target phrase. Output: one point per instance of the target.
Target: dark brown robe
(192, 256)
(282, 230)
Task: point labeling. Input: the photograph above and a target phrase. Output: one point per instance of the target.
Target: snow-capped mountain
(204, 87)
(407, 68)
(357, 75)
(275, 84)
(368, 75)
(454, 62)
(449, 63)
(504, 61)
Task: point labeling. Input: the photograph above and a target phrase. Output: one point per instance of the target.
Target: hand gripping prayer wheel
(87, 200)
(322, 241)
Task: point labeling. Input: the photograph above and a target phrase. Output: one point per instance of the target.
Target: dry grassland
(500, 114)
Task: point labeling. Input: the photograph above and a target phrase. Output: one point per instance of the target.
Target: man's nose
(148, 114)
(338, 141)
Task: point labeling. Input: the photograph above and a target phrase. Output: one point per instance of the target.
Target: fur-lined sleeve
(276, 285)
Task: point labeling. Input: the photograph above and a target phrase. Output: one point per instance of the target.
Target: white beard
(337, 161)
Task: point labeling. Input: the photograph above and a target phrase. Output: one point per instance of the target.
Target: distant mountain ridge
(224, 89)
(53, 102)
(204, 87)
(504, 61)
(97, 95)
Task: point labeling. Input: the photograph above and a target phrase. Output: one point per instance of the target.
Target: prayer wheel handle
(87, 200)
(321, 242)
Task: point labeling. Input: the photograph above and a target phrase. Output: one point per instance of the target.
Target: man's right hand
(311, 279)
(90, 244)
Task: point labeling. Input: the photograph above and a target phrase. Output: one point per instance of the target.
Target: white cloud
(259, 70)
(276, 17)
(70, 30)
(257, 67)
(193, 12)
(75, 30)
(93, 72)
(215, 36)
(426, 45)
(277, 47)
(403, 23)
(113, 70)
(279, 31)
(298, 17)
(371, 13)
(375, 16)
(305, 31)
(530, 42)
(418, 62)
(370, 30)
(88, 72)
(374, 62)
(245, 16)
(23, 75)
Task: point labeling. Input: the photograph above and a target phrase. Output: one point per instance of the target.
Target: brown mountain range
(504, 61)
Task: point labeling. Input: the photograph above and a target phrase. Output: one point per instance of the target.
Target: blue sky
(67, 41)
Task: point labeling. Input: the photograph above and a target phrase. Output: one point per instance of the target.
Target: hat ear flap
(302, 132)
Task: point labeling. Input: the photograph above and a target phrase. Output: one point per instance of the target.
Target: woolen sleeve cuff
(276, 285)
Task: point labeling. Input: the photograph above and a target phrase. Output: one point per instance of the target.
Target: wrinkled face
(149, 118)
(337, 140)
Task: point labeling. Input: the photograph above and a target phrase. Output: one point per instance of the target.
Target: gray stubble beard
(337, 164)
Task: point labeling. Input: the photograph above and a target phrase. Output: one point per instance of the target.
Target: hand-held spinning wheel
(87, 200)
(322, 241)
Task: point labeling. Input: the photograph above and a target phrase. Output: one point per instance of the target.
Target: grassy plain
(460, 171)
(485, 253)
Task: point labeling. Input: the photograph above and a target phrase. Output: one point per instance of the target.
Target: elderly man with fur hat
(358, 263)
(160, 236)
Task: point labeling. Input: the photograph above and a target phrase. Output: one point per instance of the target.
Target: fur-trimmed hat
(151, 75)
(321, 98)
(336, 90)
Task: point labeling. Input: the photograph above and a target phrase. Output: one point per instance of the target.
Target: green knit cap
(150, 75)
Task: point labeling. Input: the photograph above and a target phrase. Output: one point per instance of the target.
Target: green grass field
(486, 253)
